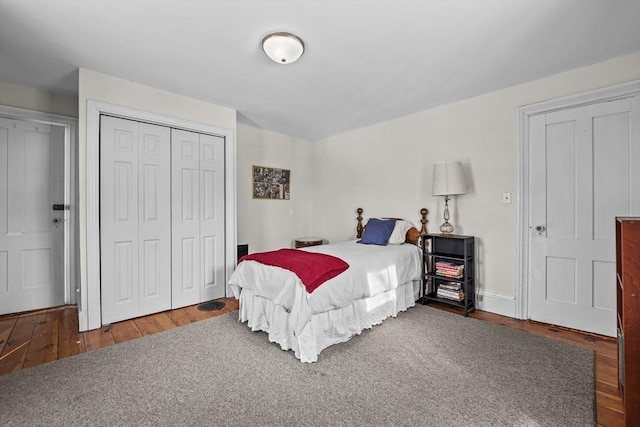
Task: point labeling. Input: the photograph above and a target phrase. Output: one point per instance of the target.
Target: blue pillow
(377, 231)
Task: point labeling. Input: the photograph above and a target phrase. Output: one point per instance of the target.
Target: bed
(382, 278)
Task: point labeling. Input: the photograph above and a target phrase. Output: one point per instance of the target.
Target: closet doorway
(161, 218)
(218, 250)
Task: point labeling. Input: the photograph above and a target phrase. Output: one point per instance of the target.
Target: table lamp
(448, 180)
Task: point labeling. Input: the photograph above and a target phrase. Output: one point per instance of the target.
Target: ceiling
(365, 62)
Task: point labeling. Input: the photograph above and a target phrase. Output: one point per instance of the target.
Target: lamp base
(446, 228)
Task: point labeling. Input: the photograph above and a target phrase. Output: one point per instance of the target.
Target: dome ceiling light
(282, 47)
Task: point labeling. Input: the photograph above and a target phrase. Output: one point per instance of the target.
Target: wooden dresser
(628, 315)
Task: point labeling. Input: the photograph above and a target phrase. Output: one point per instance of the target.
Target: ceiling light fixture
(282, 47)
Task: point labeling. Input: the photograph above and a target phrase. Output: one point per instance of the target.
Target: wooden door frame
(625, 90)
(70, 125)
(89, 315)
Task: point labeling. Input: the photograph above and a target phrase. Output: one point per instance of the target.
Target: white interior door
(198, 217)
(31, 232)
(135, 218)
(585, 171)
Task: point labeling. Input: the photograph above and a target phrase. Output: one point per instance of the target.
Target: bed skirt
(327, 328)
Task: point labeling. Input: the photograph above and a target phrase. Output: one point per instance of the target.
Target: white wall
(386, 168)
(31, 98)
(272, 224)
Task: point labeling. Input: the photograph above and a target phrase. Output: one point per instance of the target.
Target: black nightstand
(305, 242)
(449, 274)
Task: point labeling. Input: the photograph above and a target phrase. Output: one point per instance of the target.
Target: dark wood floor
(29, 339)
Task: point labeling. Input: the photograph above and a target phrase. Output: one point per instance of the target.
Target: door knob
(540, 229)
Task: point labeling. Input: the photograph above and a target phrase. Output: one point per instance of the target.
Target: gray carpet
(425, 367)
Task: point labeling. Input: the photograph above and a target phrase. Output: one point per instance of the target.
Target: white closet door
(135, 221)
(212, 216)
(185, 210)
(197, 163)
(154, 222)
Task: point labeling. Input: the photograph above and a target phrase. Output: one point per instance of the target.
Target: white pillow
(399, 233)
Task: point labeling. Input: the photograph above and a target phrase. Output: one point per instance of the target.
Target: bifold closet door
(197, 188)
(135, 218)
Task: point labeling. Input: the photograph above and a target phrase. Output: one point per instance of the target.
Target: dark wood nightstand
(305, 242)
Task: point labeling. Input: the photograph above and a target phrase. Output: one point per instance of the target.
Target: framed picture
(271, 183)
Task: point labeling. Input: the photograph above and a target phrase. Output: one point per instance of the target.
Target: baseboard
(498, 304)
(83, 321)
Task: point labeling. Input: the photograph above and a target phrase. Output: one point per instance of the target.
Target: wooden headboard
(423, 221)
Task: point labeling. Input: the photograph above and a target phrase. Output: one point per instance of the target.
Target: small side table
(305, 242)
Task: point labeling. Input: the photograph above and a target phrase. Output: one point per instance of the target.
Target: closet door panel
(118, 219)
(154, 218)
(212, 214)
(185, 187)
(135, 220)
(189, 266)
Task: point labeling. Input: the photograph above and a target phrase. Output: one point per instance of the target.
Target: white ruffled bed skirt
(328, 328)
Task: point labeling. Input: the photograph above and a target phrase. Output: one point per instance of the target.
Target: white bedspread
(372, 270)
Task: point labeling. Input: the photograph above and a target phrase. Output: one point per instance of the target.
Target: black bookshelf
(448, 272)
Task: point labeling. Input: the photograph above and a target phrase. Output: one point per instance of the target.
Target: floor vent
(211, 306)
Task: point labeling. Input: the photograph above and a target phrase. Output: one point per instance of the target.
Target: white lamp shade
(283, 48)
(448, 179)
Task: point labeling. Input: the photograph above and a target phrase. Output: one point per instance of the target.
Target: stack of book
(447, 269)
(451, 290)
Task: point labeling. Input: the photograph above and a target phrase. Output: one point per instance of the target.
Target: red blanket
(312, 268)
